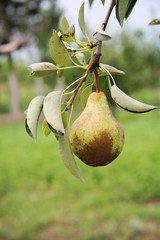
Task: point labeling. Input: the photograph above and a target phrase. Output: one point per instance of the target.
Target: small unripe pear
(96, 137)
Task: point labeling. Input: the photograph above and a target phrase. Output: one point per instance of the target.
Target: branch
(104, 24)
(90, 68)
(12, 46)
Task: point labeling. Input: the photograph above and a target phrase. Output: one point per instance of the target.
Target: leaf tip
(82, 180)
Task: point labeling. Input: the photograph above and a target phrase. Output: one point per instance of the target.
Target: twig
(104, 24)
(12, 46)
(75, 93)
(89, 69)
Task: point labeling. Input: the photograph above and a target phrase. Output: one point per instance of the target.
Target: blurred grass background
(40, 199)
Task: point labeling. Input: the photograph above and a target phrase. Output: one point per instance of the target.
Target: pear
(96, 137)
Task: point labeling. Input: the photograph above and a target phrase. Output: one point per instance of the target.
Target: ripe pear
(96, 137)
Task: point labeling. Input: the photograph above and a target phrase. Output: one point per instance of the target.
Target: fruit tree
(96, 137)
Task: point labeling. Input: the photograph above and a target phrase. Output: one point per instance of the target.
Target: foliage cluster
(141, 68)
(66, 56)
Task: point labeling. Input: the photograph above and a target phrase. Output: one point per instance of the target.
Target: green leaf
(32, 116)
(107, 68)
(92, 78)
(60, 73)
(126, 102)
(103, 2)
(64, 24)
(69, 47)
(121, 9)
(130, 7)
(81, 58)
(52, 112)
(28, 129)
(155, 21)
(101, 35)
(46, 129)
(108, 91)
(90, 2)
(59, 52)
(85, 94)
(64, 115)
(67, 156)
(42, 69)
(69, 35)
(81, 20)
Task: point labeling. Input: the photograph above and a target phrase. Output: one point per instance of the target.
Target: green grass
(41, 200)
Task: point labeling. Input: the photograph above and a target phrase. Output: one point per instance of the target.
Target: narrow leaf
(69, 35)
(92, 78)
(85, 94)
(81, 20)
(130, 7)
(103, 2)
(42, 69)
(60, 73)
(90, 2)
(69, 47)
(155, 21)
(28, 129)
(64, 115)
(46, 129)
(81, 58)
(67, 156)
(128, 103)
(32, 116)
(64, 24)
(101, 35)
(59, 52)
(121, 9)
(107, 87)
(107, 68)
(52, 112)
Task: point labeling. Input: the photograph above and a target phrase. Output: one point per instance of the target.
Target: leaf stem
(75, 93)
(70, 67)
(72, 84)
(70, 116)
(110, 75)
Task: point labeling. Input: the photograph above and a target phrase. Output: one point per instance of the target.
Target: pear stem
(97, 80)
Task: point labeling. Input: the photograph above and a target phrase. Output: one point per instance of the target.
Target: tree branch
(12, 46)
(104, 24)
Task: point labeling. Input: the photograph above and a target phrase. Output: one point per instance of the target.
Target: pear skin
(96, 137)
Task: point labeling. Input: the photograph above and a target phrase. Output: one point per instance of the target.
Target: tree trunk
(14, 96)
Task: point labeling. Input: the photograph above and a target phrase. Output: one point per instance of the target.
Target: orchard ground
(41, 200)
